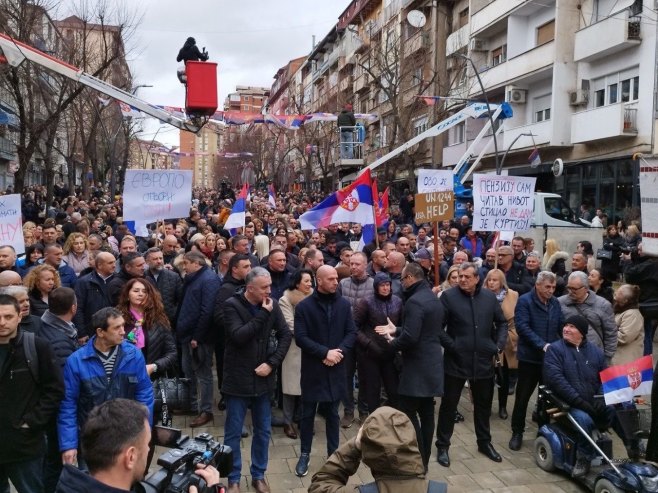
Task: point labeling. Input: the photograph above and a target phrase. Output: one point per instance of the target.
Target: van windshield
(557, 208)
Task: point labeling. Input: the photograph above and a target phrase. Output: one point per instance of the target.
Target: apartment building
(199, 153)
(248, 99)
(580, 78)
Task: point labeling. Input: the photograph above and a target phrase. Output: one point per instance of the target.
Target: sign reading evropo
(152, 195)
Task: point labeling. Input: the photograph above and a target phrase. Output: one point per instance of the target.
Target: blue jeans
(587, 423)
(346, 146)
(261, 416)
(26, 476)
(197, 366)
(329, 411)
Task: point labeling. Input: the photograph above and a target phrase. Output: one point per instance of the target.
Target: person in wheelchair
(571, 370)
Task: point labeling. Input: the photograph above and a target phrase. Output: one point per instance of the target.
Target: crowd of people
(300, 320)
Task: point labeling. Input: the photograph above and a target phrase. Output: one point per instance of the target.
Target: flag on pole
(354, 204)
(622, 382)
(534, 159)
(238, 212)
(382, 218)
(271, 196)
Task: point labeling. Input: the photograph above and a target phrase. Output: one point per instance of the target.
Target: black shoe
(516, 441)
(502, 413)
(442, 457)
(459, 417)
(301, 469)
(581, 467)
(488, 450)
(221, 405)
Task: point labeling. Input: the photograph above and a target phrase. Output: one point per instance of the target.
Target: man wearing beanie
(571, 370)
(386, 443)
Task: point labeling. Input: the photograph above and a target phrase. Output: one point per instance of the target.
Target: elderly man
(580, 300)
(169, 249)
(579, 263)
(251, 319)
(280, 276)
(92, 292)
(517, 276)
(8, 260)
(538, 319)
(168, 283)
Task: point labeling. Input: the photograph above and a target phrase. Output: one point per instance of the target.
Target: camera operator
(115, 443)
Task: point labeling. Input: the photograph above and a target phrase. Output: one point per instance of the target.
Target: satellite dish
(416, 18)
(558, 167)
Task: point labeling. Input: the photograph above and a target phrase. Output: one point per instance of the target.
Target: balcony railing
(630, 120)
(416, 43)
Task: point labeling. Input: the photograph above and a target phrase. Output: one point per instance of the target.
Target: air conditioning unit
(517, 96)
(478, 44)
(578, 98)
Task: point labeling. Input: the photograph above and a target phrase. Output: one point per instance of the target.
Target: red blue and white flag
(354, 204)
(238, 212)
(534, 159)
(622, 382)
(271, 196)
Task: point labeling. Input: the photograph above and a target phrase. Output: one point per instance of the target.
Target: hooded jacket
(388, 447)
(73, 480)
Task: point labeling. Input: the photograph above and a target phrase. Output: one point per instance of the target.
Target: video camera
(179, 463)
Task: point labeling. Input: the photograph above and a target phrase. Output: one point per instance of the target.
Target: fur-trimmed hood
(550, 262)
(295, 296)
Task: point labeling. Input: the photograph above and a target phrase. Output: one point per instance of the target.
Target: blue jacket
(573, 372)
(195, 315)
(67, 276)
(537, 324)
(86, 385)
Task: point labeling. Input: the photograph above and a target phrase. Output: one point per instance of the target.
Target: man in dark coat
(538, 319)
(168, 283)
(251, 320)
(421, 378)
(476, 324)
(133, 266)
(190, 51)
(27, 405)
(92, 292)
(346, 123)
(195, 332)
(324, 331)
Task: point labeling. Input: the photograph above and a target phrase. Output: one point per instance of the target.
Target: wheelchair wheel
(544, 454)
(605, 486)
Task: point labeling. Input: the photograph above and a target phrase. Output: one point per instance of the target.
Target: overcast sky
(249, 39)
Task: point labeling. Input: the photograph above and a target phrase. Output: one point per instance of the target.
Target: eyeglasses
(571, 288)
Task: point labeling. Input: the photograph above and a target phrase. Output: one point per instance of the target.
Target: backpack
(432, 487)
(31, 356)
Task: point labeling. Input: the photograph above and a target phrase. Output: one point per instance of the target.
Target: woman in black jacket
(614, 243)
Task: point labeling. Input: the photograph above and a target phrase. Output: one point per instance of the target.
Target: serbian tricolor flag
(381, 205)
(622, 382)
(271, 196)
(350, 204)
(534, 159)
(237, 217)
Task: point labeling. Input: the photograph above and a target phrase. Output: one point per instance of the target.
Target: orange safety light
(201, 96)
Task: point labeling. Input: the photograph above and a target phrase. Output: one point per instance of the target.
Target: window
(599, 98)
(543, 115)
(542, 108)
(417, 76)
(621, 87)
(463, 17)
(546, 33)
(456, 134)
(499, 55)
(612, 94)
(420, 125)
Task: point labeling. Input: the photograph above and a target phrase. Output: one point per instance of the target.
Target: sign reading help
(502, 203)
(152, 195)
(434, 180)
(434, 207)
(11, 225)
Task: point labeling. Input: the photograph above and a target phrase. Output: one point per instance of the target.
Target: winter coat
(610, 267)
(229, 287)
(478, 329)
(37, 306)
(195, 313)
(77, 262)
(25, 401)
(346, 119)
(630, 336)
(420, 339)
(86, 386)
(508, 305)
(67, 276)
(556, 263)
(537, 324)
(323, 322)
(573, 372)
(170, 287)
(31, 323)
(280, 282)
(247, 335)
(92, 295)
(598, 312)
(63, 338)
(645, 274)
(355, 289)
(518, 279)
(117, 283)
(291, 368)
(467, 244)
(369, 312)
(388, 448)
(160, 349)
(73, 480)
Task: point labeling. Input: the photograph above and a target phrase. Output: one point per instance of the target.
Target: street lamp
(502, 161)
(486, 101)
(134, 89)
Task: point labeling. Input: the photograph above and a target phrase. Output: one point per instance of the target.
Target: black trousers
(529, 378)
(372, 374)
(423, 408)
(219, 360)
(482, 391)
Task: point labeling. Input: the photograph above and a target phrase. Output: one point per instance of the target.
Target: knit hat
(579, 322)
(380, 278)
(423, 254)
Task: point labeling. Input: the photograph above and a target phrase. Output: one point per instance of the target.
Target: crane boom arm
(17, 52)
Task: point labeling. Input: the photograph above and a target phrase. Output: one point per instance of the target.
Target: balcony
(457, 40)
(7, 149)
(345, 84)
(532, 61)
(417, 43)
(542, 132)
(614, 120)
(362, 83)
(611, 35)
(492, 12)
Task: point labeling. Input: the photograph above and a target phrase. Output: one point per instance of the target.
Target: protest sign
(11, 225)
(502, 203)
(434, 180)
(434, 207)
(649, 202)
(152, 195)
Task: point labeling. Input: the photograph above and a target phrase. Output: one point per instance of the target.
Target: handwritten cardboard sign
(434, 207)
(11, 225)
(435, 180)
(502, 203)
